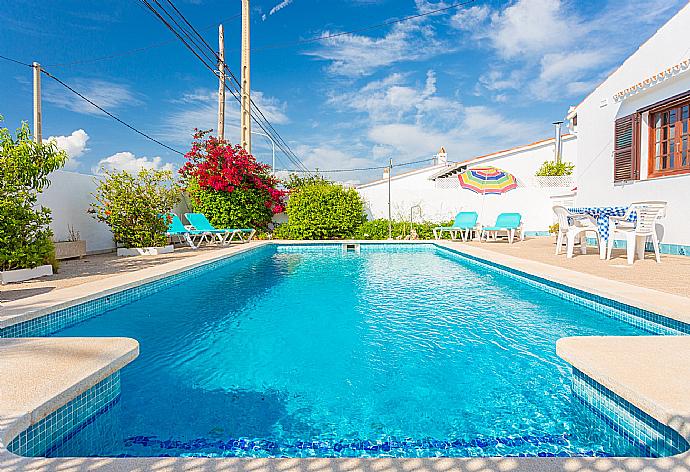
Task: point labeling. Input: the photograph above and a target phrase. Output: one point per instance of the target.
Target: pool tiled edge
(649, 435)
(51, 432)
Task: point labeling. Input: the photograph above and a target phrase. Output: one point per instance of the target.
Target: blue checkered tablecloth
(601, 215)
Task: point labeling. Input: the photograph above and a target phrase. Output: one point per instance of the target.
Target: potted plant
(132, 206)
(26, 246)
(72, 248)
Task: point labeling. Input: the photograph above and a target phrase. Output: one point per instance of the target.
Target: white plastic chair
(572, 226)
(636, 234)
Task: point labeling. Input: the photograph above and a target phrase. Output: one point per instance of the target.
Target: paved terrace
(671, 276)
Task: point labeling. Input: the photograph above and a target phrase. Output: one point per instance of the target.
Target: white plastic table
(601, 215)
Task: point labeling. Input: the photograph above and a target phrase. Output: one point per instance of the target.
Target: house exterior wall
(596, 116)
(439, 204)
(68, 197)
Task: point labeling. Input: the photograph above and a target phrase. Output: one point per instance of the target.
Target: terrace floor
(91, 268)
(671, 276)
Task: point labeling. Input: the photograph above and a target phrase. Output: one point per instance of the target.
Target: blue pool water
(397, 351)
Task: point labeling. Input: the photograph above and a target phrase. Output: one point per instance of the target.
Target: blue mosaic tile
(638, 317)
(60, 426)
(649, 435)
(664, 248)
(539, 445)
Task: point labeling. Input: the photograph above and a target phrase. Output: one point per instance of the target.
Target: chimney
(558, 152)
(441, 158)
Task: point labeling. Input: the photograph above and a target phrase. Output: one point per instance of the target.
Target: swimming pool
(401, 351)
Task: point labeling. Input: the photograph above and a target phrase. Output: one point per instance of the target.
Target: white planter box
(20, 275)
(145, 251)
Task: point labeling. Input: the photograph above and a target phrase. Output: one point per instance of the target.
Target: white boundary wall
(441, 204)
(596, 116)
(68, 197)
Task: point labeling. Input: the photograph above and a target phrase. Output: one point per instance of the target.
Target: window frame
(674, 103)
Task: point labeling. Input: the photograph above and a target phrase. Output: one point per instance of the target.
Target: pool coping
(23, 310)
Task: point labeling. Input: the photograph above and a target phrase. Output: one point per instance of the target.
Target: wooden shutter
(626, 148)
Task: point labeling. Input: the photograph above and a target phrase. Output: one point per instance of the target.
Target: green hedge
(378, 229)
(322, 210)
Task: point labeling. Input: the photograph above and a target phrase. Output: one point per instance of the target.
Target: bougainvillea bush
(132, 205)
(229, 186)
(25, 236)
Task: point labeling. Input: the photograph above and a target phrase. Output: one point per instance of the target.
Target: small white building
(434, 194)
(633, 133)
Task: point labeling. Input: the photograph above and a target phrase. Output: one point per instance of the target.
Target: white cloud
(280, 6)
(74, 145)
(469, 19)
(106, 94)
(530, 27)
(199, 109)
(410, 122)
(357, 55)
(390, 99)
(549, 50)
(129, 162)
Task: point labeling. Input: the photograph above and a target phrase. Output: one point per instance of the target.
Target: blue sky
(474, 79)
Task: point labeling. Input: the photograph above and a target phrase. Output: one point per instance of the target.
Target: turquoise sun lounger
(464, 223)
(511, 223)
(225, 236)
(177, 229)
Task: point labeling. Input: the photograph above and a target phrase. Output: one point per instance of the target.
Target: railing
(564, 181)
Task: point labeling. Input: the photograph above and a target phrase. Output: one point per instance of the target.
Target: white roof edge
(506, 152)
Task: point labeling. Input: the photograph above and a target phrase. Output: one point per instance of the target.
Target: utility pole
(221, 85)
(246, 116)
(390, 213)
(38, 118)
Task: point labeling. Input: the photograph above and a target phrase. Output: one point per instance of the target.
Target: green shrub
(242, 208)
(25, 236)
(132, 205)
(378, 229)
(555, 169)
(295, 181)
(322, 211)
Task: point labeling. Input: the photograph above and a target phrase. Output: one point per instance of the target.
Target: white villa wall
(69, 196)
(415, 188)
(596, 116)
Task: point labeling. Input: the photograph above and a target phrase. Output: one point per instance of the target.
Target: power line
(364, 28)
(361, 169)
(110, 114)
(194, 48)
(131, 52)
(15, 61)
(275, 133)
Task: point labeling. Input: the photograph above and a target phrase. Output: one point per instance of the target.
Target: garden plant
(25, 235)
(132, 206)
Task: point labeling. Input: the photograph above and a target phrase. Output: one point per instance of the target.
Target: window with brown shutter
(626, 149)
(669, 140)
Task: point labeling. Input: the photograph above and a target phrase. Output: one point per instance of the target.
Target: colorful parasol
(487, 181)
